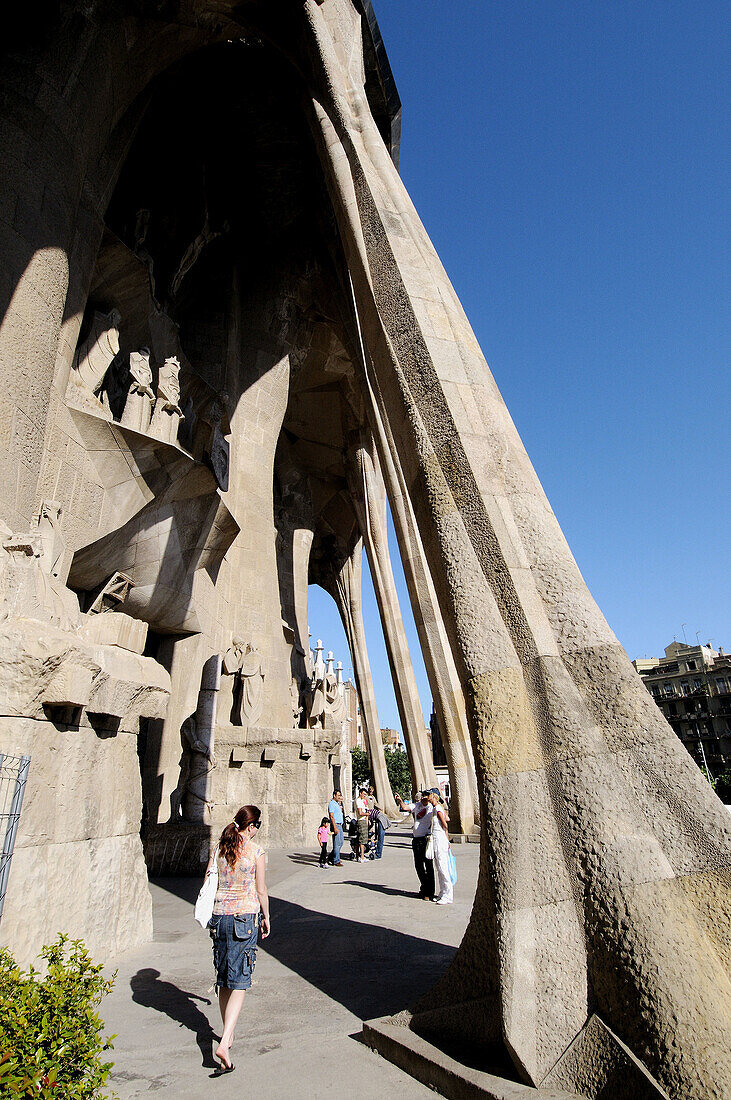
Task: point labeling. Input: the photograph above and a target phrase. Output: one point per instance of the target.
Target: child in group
(322, 834)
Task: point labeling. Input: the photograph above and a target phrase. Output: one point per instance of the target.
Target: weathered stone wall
(78, 865)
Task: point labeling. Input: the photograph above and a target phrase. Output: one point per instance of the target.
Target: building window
(697, 685)
(721, 686)
(691, 666)
(685, 687)
(655, 688)
(672, 709)
(667, 688)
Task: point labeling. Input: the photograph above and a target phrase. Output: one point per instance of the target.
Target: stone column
(441, 671)
(368, 494)
(605, 852)
(346, 591)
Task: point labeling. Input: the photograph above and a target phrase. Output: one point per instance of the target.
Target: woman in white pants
(440, 853)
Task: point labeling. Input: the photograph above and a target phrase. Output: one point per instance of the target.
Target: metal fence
(13, 776)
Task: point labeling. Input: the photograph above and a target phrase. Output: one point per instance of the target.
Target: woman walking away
(241, 904)
(440, 852)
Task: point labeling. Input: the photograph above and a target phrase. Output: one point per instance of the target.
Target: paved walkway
(347, 944)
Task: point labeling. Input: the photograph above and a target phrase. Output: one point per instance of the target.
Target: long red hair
(229, 845)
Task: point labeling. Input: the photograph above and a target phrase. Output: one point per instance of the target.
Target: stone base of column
(595, 1065)
(465, 838)
(392, 1037)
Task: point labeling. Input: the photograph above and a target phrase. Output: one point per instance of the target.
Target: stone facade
(226, 338)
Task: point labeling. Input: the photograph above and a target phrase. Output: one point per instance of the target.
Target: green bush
(50, 1035)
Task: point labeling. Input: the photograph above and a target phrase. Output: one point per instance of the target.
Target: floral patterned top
(236, 892)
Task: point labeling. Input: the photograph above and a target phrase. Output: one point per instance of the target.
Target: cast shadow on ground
(377, 888)
(369, 969)
(181, 886)
(149, 990)
(304, 857)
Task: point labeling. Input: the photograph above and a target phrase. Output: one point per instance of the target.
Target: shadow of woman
(149, 990)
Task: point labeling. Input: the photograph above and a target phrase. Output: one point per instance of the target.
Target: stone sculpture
(246, 664)
(193, 252)
(334, 694)
(167, 414)
(296, 700)
(216, 447)
(52, 541)
(112, 595)
(316, 709)
(334, 691)
(191, 799)
(92, 361)
(138, 407)
(34, 575)
(198, 761)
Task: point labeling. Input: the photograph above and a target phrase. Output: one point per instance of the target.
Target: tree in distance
(397, 766)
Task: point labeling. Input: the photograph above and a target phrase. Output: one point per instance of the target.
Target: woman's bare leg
(223, 995)
(230, 1006)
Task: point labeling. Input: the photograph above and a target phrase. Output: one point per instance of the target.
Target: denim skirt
(234, 948)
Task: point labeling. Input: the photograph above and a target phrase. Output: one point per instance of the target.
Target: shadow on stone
(148, 989)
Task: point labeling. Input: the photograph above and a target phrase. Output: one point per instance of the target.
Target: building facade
(692, 687)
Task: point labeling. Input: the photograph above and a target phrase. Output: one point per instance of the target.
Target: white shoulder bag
(207, 895)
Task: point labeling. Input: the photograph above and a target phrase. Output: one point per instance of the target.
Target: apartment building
(692, 687)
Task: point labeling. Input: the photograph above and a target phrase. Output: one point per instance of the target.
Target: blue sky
(570, 163)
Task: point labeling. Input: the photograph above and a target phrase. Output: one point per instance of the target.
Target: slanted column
(594, 910)
(464, 807)
(369, 500)
(346, 591)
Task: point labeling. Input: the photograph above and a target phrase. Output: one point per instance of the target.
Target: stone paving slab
(347, 945)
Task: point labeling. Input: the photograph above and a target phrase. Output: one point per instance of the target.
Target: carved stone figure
(112, 595)
(95, 355)
(216, 449)
(52, 540)
(32, 573)
(334, 695)
(138, 407)
(296, 700)
(247, 664)
(193, 252)
(190, 798)
(167, 413)
(316, 714)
